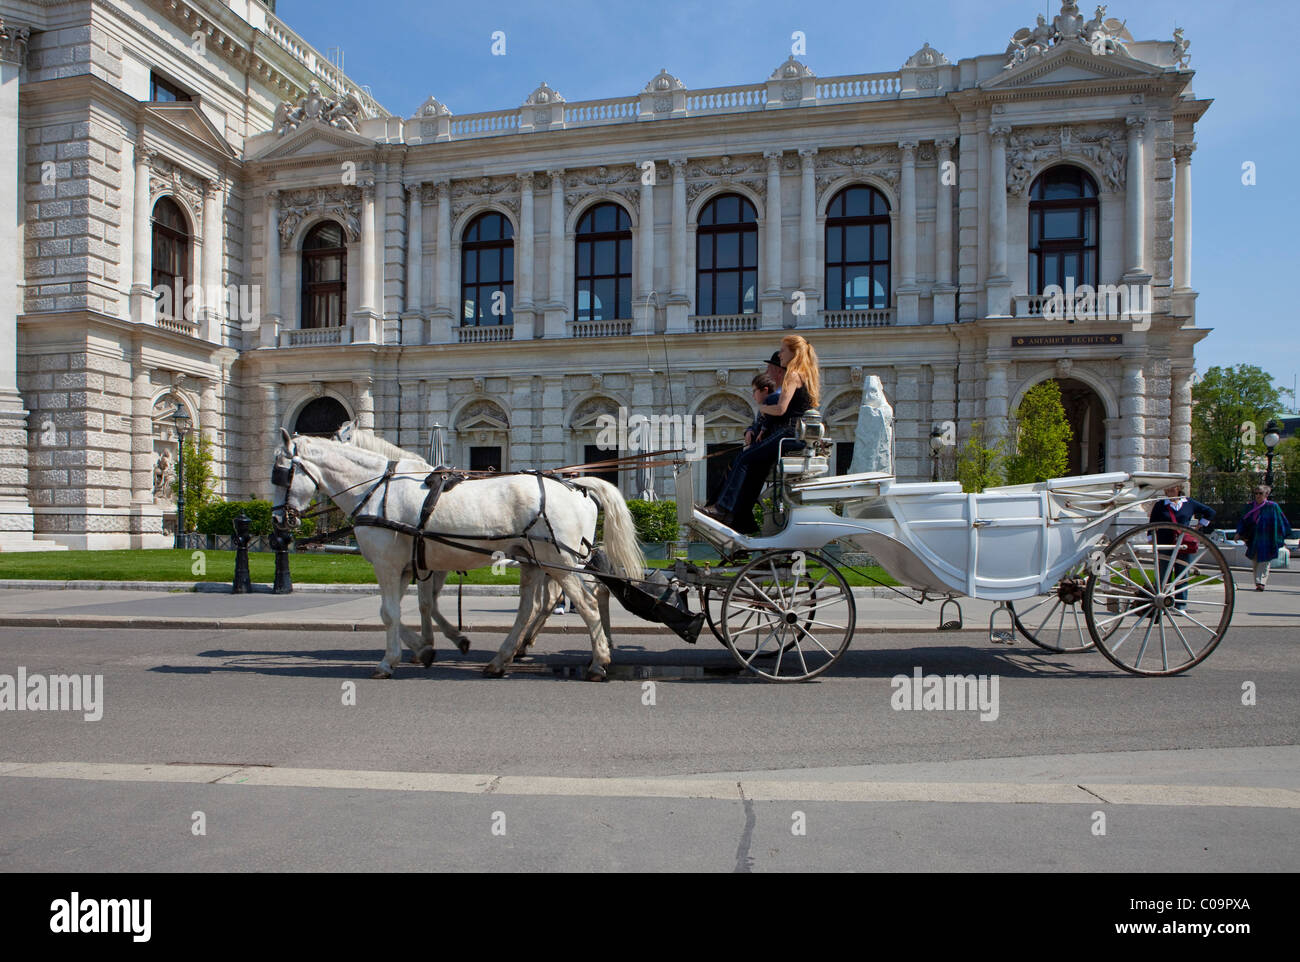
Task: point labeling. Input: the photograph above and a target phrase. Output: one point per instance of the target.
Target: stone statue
(164, 476)
(346, 113)
(873, 441)
(1181, 56)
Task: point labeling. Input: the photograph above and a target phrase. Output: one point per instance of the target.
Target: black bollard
(243, 583)
(280, 540)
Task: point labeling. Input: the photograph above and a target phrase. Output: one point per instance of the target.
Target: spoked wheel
(1154, 607)
(712, 601)
(1055, 621)
(795, 604)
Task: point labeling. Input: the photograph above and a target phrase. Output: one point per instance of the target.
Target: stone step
(29, 544)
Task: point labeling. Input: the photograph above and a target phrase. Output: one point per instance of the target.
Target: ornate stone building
(209, 213)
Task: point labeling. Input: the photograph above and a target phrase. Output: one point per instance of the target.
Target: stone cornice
(13, 42)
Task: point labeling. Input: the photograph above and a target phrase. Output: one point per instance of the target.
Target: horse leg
(584, 602)
(531, 594)
(429, 613)
(391, 588)
(548, 593)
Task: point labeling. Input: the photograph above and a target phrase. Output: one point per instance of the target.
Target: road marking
(759, 790)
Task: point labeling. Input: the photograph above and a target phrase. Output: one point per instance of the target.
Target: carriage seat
(811, 461)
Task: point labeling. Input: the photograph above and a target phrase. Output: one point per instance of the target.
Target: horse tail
(620, 530)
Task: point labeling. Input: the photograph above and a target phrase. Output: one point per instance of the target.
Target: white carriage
(1155, 598)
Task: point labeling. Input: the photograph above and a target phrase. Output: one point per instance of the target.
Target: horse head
(297, 478)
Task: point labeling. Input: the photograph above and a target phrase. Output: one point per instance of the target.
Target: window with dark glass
(487, 272)
(164, 91)
(324, 276)
(1063, 222)
(487, 458)
(594, 454)
(726, 257)
(171, 256)
(857, 250)
(602, 275)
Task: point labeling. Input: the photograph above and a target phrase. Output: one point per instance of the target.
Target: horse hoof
(380, 673)
(426, 657)
(597, 674)
(490, 672)
(463, 644)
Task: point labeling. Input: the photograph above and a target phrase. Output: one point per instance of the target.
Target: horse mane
(369, 441)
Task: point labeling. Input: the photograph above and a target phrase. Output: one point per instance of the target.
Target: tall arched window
(324, 276)
(487, 272)
(602, 275)
(1063, 231)
(171, 256)
(726, 257)
(857, 250)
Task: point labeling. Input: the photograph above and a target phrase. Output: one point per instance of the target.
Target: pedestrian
(1179, 509)
(1264, 528)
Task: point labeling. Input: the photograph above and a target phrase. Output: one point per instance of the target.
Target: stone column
(210, 419)
(995, 400)
(1135, 202)
(270, 432)
(365, 318)
(142, 303)
(271, 242)
(551, 450)
(999, 283)
(808, 282)
(412, 317)
(1132, 412)
(1180, 421)
(523, 307)
(441, 321)
(556, 296)
(909, 463)
(773, 301)
(908, 292)
(643, 310)
(211, 326)
(945, 292)
(679, 301)
(943, 408)
(1183, 216)
(362, 389)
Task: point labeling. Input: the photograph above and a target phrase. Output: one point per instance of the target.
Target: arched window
(171, 256)
(487, 272)
(324, 276)
(602, 275)
(726, 257)
(857, 250)
(321, 417)
(1063, 226)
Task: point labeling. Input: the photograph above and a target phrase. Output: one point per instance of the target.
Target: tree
(200, 479)
(1230, 406)
(1042, 446)
(979, 462)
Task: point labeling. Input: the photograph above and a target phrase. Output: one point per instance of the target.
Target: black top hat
(775, 360)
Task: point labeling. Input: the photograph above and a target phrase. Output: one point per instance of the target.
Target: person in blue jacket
(1178, 509)
(1264, 528)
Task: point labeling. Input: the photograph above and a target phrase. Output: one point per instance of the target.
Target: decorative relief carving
(927, 56)
(342, 203)
(881, 162)
(1099, 35)
(469, 193)
(13, 42)
(346, 113)
(663, 82)
(1103, 144)
(166, 176)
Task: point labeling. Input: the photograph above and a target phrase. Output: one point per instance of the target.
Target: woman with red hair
(800, 390)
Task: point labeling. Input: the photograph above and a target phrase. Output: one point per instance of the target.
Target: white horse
(487, 519)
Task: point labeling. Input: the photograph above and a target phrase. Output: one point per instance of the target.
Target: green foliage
(200, 479)
(1042, 446)
(1223, 401)
(979, 462)
(656, 521)
(217, 517)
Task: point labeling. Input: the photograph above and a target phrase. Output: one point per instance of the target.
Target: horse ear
(288, 441)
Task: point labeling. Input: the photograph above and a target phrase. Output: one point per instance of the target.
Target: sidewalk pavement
(155, 605)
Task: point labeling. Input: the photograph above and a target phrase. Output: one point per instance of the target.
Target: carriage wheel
(711, 602)
(1159, 612)
(795, 604)
(1055, 620)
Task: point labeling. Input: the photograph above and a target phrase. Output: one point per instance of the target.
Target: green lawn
(173, 565)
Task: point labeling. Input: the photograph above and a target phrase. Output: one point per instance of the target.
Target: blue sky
(1244, 237)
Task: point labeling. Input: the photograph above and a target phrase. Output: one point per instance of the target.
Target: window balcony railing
(178, 325)
(1028, 305)
(315, 336)
(485, 335)
(725, 323)
(610, 328)
(875, 317)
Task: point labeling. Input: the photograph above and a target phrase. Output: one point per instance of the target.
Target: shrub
(1042, 445)
(217, 517)
(656, 521)
(978, 462)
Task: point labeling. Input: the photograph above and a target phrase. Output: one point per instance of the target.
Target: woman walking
(1264, 528)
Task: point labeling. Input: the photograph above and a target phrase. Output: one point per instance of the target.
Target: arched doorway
(321, 417)
(1087, 417)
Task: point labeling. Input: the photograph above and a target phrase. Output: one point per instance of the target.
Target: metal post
(243, 583)
(280, 540)
(180, 493)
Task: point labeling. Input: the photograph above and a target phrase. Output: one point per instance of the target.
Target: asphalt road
(441, 769)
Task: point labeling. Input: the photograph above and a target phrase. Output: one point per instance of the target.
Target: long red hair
(805, 364)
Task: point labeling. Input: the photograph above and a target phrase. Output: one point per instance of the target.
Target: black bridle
(282, 477)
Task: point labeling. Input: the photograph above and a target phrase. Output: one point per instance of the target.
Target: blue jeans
(748, 472)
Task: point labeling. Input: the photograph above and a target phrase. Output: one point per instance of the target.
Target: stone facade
(275, 141)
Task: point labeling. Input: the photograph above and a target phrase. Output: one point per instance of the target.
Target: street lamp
(182, 423)
(936, 445)
(1271, 438)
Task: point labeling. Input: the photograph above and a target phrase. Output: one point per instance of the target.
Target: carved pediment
(313, 137)
(186, 116)
(1071, 62)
